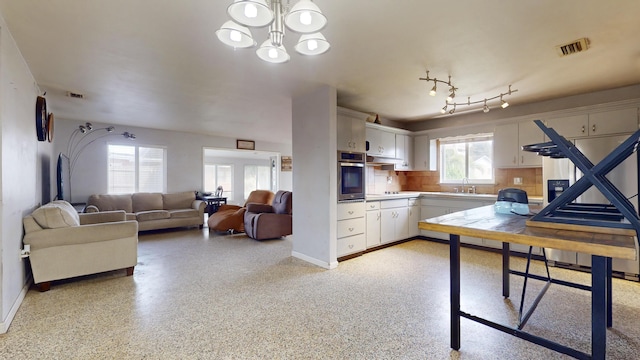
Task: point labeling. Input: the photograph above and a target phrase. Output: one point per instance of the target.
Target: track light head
(443, 110)
(433, 89)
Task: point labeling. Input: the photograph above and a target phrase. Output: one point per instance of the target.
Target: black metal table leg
(599, 306)
(454, 264)
(505, 269)
(609, 294)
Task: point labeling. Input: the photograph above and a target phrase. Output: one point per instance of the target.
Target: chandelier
(452, 94)
(304, 17)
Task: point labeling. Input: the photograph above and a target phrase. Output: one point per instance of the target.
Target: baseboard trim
(314, 261)
(4, 325)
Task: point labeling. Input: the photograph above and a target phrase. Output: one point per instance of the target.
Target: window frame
(466, 140)
(137, 164)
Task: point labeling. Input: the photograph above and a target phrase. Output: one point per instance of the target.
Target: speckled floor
(201, 296)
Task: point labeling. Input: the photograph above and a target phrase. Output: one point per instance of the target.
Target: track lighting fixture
(304, 17)
(433, 92)
(452, 94)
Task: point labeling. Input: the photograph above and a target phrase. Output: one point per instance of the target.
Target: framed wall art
(245, 144)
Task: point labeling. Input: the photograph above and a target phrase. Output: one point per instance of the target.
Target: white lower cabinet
(351, 228)
(414, 217)
(394, 220)
(373, 223)
(435, 206)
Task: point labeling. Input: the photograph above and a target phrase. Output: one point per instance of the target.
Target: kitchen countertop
(451, 195)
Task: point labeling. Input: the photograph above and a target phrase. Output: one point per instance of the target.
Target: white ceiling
(158, 63)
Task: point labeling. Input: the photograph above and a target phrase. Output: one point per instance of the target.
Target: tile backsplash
(379, 181)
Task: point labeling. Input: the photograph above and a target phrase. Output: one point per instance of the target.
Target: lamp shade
(305, 17)
(235, 35)
(271, 53)
(253, 13)
(312, 44)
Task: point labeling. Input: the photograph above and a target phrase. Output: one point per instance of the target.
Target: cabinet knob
(583, 129)
(522, 159)
(593, 128)
(350, 229)
(350, 246)
(515, 160)
(350, 212)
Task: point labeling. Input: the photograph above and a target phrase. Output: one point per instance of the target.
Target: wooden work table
(483, 222)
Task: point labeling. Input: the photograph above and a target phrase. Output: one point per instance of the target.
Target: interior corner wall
(314, 117)
(24, 164)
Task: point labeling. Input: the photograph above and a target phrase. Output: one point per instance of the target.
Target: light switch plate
(517, 181)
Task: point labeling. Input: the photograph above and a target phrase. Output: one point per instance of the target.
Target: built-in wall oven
(351, 173)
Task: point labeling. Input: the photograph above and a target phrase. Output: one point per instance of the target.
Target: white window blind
(467, 157)
(256, 177)
(136, 169)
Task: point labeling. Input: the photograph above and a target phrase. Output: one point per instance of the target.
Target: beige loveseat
(65, 244)
(153, 210)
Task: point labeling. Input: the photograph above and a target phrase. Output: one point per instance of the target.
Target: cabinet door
(529, 133)
(373, 228)
(402, 223)
(400, 152)
(344, 139)
(387, 225)
(421, 152)
(373, 137)
(414, 218)
(388, 144)
(613, 122)
(505, 145)
(571, 126)
(358, 134)
(408, 151)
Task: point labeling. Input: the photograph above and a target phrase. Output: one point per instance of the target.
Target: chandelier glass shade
(304, 17)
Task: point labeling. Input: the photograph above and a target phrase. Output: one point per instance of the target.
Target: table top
(209, 198)
(483, 222)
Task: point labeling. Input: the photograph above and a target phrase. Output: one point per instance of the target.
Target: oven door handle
(352, 164)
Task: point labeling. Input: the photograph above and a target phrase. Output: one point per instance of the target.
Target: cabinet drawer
(351, 244)
(372, 205)
(350, 210)
(351, 227)
(390, 204)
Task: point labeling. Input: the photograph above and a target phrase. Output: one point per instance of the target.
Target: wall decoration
(50, 127)
(245, 144)
(286, 163)
(41, 118)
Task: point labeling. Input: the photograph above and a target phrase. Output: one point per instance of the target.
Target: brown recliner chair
(231, 217)
(269, 221)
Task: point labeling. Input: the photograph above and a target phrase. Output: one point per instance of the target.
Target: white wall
(184, 157)
(25, 169)
(315, 177)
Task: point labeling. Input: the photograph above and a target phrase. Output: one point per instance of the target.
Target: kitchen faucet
(463, 181)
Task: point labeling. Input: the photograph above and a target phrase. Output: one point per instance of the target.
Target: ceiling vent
(573, 47)
(75, 95)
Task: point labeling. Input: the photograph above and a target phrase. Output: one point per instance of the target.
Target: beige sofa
(153, 210)
(65, 244)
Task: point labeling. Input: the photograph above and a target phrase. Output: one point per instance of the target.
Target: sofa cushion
(183, 213)
(111, 202)
(182, 200)
(56, 214)
(146, 201)
(152, 215)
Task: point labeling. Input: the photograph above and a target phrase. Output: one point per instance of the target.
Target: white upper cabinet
(596, 123)
(404, 152)
(351, 131)
(421, 153)
(381, 143)
(613, 122)
(508, 140)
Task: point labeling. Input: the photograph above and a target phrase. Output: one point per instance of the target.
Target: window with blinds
(467, 157)
(136, 169)
(219, 175)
